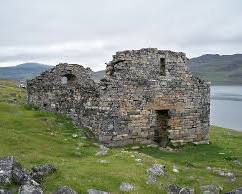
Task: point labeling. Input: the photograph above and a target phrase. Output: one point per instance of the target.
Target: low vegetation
(36, 137)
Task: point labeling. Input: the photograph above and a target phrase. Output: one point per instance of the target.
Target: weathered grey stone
(211, 189)
(174, 189)
(6, 169)
(65, 190)
(236, 191)
(127, 187)
(30, 189)
(186, 191)
(103, 151)
(225, 173)
(20, 175)
(147, 96)
(152, 179)
(12, 172)
(6, 191)
(39, 172)
(94, 191)
(157, 170)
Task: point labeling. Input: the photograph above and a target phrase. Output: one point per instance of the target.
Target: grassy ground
(36, 137)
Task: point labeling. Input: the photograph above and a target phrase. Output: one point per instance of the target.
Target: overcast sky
(89, 32)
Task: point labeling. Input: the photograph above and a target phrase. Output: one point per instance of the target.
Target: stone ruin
(147, 96)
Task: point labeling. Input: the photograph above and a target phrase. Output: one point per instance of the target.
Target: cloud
(90, 32)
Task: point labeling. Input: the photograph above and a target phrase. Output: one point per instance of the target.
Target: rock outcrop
(12, 172)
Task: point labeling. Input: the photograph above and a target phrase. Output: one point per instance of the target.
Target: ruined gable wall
(48, 92)
(134, 89)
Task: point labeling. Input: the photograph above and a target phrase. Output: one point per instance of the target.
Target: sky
(89, 32)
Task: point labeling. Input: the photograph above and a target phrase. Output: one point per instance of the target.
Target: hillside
(36, 137)
(23, 71)
(219, 69)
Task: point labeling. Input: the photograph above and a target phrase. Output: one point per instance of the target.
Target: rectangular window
(162, 66)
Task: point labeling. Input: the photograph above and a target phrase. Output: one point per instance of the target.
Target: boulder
(65, 190)
(30, 189)
(236, 191)
(151, 179)
(174, 189)
(103, 151)
(20, 176)
(126, 187)
(39, 172)
(12, 171)
(211, 189)
(6, 191)
(157, 170)
(6, 168)
(94, 191)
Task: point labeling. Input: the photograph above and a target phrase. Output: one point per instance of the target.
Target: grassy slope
(36, 137)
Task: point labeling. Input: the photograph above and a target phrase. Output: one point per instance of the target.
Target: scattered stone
(12, 172)
(6, 191)
(174, 189)
(126, 187)
(211, 189)
(138, 160)
(157, 170)
(152, 146)
(20, 175)
(30, 189)
(65, 190)
(186, 191)
(103, 151)
(104, 161)
(39, 172)
(152, 179)
(238, 163)
(74, 135)
(236, 191)
(221, 153)
(94, 191)
(6, 166)
(168, 149)
(175, 169)
(224, 173)
(135, 147)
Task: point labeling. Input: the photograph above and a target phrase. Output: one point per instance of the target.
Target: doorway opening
(161, 130)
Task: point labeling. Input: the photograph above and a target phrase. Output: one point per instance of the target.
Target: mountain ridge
(216, 68)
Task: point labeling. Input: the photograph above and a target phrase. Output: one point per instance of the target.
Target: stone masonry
(147, 96)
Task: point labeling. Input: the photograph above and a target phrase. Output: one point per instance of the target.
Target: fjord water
(226, 106)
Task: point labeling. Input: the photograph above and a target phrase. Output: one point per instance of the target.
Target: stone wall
(147, 95)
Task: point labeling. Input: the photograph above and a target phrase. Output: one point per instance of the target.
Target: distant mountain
(23, 71)
(99, 74)
(219, 69)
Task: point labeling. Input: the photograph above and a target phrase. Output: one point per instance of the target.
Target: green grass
(36, 137)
